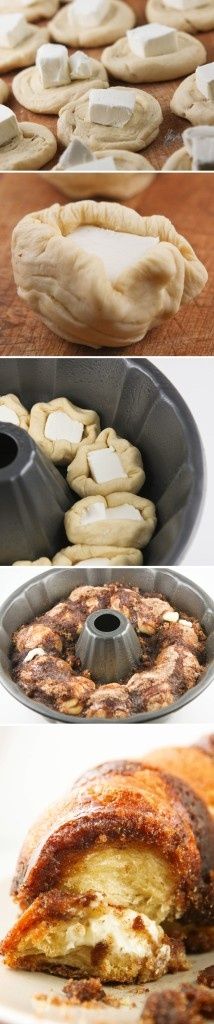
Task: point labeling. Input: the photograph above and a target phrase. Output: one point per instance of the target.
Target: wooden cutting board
(169, 138)
(188, 200)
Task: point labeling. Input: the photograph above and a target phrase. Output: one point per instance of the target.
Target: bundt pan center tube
(108, 646)
(33, 498)
(43, 592)
(139, 403)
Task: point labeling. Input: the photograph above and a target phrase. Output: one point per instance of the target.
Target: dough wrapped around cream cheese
(192, 19)
(12, 411)
(121, 518)
(122, 63)
(58, 427)
(70, 288)
(91, 555)
(110, 464)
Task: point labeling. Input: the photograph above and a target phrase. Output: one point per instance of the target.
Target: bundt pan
(41, 593)
(132, 396)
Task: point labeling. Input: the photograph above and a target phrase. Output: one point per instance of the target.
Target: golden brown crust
(194, 764)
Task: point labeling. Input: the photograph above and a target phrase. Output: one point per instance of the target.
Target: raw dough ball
(179, 161)
(122, 63)
(197, 19)
(40, 9)
(70, 289)
(29, 91)
(190, 103)
(29, 152)
(111, 185)
(11, 402)
(61, 450)
(4, 91)
(122, 532)
(80, 476)
(82, 553)
(137, 133)
(64, 28)
(24, 54)
(38, 561)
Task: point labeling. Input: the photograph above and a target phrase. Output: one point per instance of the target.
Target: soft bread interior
(130, 876)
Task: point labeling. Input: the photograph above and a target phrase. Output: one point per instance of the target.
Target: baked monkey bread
(110, 879)
(102, 275)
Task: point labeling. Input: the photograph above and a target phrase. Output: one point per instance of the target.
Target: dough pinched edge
(81, 480)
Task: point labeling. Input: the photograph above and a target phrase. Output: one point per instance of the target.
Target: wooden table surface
(169, 138)
(188, 200)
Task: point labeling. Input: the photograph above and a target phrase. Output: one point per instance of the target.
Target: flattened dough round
(82, 552)
(61, 451)
(28, 90)
(120, 532)
(4, 91)
(139, 132)
(31, 152)
(198, 19)
(70, 289)
(40, 9)
(188, 102)
(24, 54)
(111, 185)
(122, 63)
(79, 475)
(64, 28)
(179, 161)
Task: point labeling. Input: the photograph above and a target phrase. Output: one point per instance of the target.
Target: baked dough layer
(126, 532)
(195, 20)
(123, 64)
(41, 8)
(188, 102)
(31, 152)
(64, 28)
(62, 451)
(12, 402)
(139, 132)
(28, 90)
(82, 552)
(109, 185)
(24, 54)
(94, 311)
(179, 161)
(79, 476)
(4, 91)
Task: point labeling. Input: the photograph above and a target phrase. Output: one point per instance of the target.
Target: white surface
(205, 80)
(118, 250)
(53, 65)
(8, 415)
(105, 465)
(105, 163)
(9, 128)
(194, 379)
(113, 106)
(81, 66)
(61, 427)
(92, 11)
(152, 40)
(13, 29)
(199, 711)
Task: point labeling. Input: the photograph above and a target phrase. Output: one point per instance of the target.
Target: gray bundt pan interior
(140, 403)
(43, 591)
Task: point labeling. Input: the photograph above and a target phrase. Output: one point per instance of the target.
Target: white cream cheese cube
(61, 427)
(183, 5)
(91, 12)
(95, 561)
(152, 40)
(106, 163)
(105, 465)
(9, 128)
(8, 415)
(203, 154)
(76, 153)
(81, 66)
(205, 80)
(198, 133)
(53, 65)
(94, 512)
(123, 512)
(112, 106)
(13, 30)
(119, 251)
